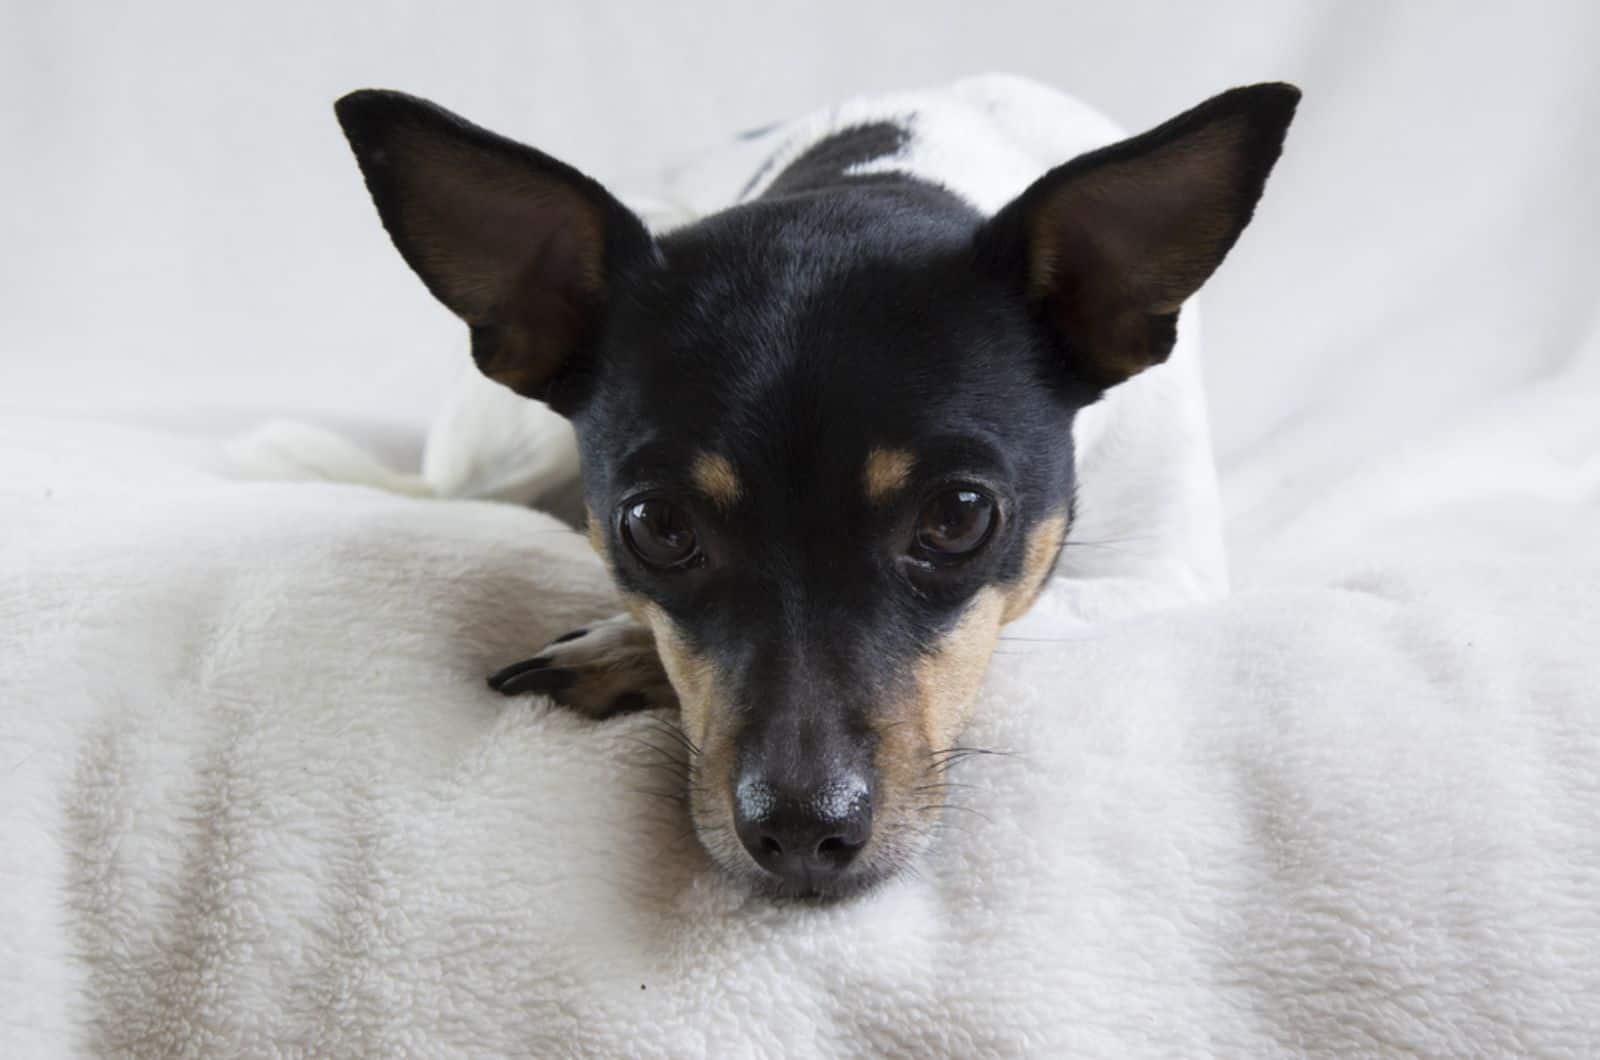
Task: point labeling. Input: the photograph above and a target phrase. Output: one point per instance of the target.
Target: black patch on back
(826, 163)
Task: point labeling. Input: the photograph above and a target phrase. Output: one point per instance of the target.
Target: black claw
(550, 682)
(627, 702)
(574, 635)
(498, 679)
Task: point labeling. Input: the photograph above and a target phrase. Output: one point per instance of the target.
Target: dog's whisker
(678, 770)
(1109, 546)
(659, 760)
(971, 750)
(945, 785)
(939, 761)
(672, 729)
(678, 780)
(943, 764)
(639, 741)
(674, 733)
(669, 796)
(664, 759)
(666, 768)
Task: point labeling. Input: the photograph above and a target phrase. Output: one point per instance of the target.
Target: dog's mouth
(832, 889)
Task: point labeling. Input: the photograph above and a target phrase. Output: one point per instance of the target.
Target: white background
(186, 240)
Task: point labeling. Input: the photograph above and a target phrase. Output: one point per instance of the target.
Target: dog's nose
(804, 835)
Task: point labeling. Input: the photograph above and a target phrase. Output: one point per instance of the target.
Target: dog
(827, 432)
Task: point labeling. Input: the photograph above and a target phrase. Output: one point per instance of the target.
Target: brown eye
(955, 523)
(659, 533)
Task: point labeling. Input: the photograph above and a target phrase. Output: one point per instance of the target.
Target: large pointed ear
(1109, 245)
(522, 247)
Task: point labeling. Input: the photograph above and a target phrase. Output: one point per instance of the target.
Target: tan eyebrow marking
(715, 477)
(886, 470)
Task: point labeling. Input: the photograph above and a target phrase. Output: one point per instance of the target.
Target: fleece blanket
(256, 799)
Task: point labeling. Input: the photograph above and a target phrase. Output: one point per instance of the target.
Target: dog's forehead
(794, 330)
(810, 371)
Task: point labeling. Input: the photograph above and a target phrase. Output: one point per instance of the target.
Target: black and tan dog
(826, 433)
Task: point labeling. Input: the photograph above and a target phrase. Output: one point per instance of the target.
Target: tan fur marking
(637, 606)
(592, 531)
(715, 477)
(886, 471)
(690, 673)
(1044, 544)
(947, 680)
(705, 718)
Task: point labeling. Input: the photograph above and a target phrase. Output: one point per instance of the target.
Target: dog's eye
(659, 533)
(955, 523)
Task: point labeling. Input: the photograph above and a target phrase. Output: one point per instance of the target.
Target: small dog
(826, 434)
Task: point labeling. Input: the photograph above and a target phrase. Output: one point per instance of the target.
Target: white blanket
(256, 798)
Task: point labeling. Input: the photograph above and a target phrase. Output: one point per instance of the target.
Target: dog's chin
(847, 885)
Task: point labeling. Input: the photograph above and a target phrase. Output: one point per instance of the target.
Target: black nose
(807, 834)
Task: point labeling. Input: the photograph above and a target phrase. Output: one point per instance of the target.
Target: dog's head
(826, 437)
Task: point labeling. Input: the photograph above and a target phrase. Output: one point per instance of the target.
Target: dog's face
(828, 460)
(826, 437)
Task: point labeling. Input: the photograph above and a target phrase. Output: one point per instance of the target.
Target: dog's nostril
(771, 846)
(837, 851)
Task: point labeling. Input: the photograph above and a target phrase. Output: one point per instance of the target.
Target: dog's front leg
(601, 670)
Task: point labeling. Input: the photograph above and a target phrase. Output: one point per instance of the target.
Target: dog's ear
(522, 247)
(1109, 245)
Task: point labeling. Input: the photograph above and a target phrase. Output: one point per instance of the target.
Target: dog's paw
(605, 669)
